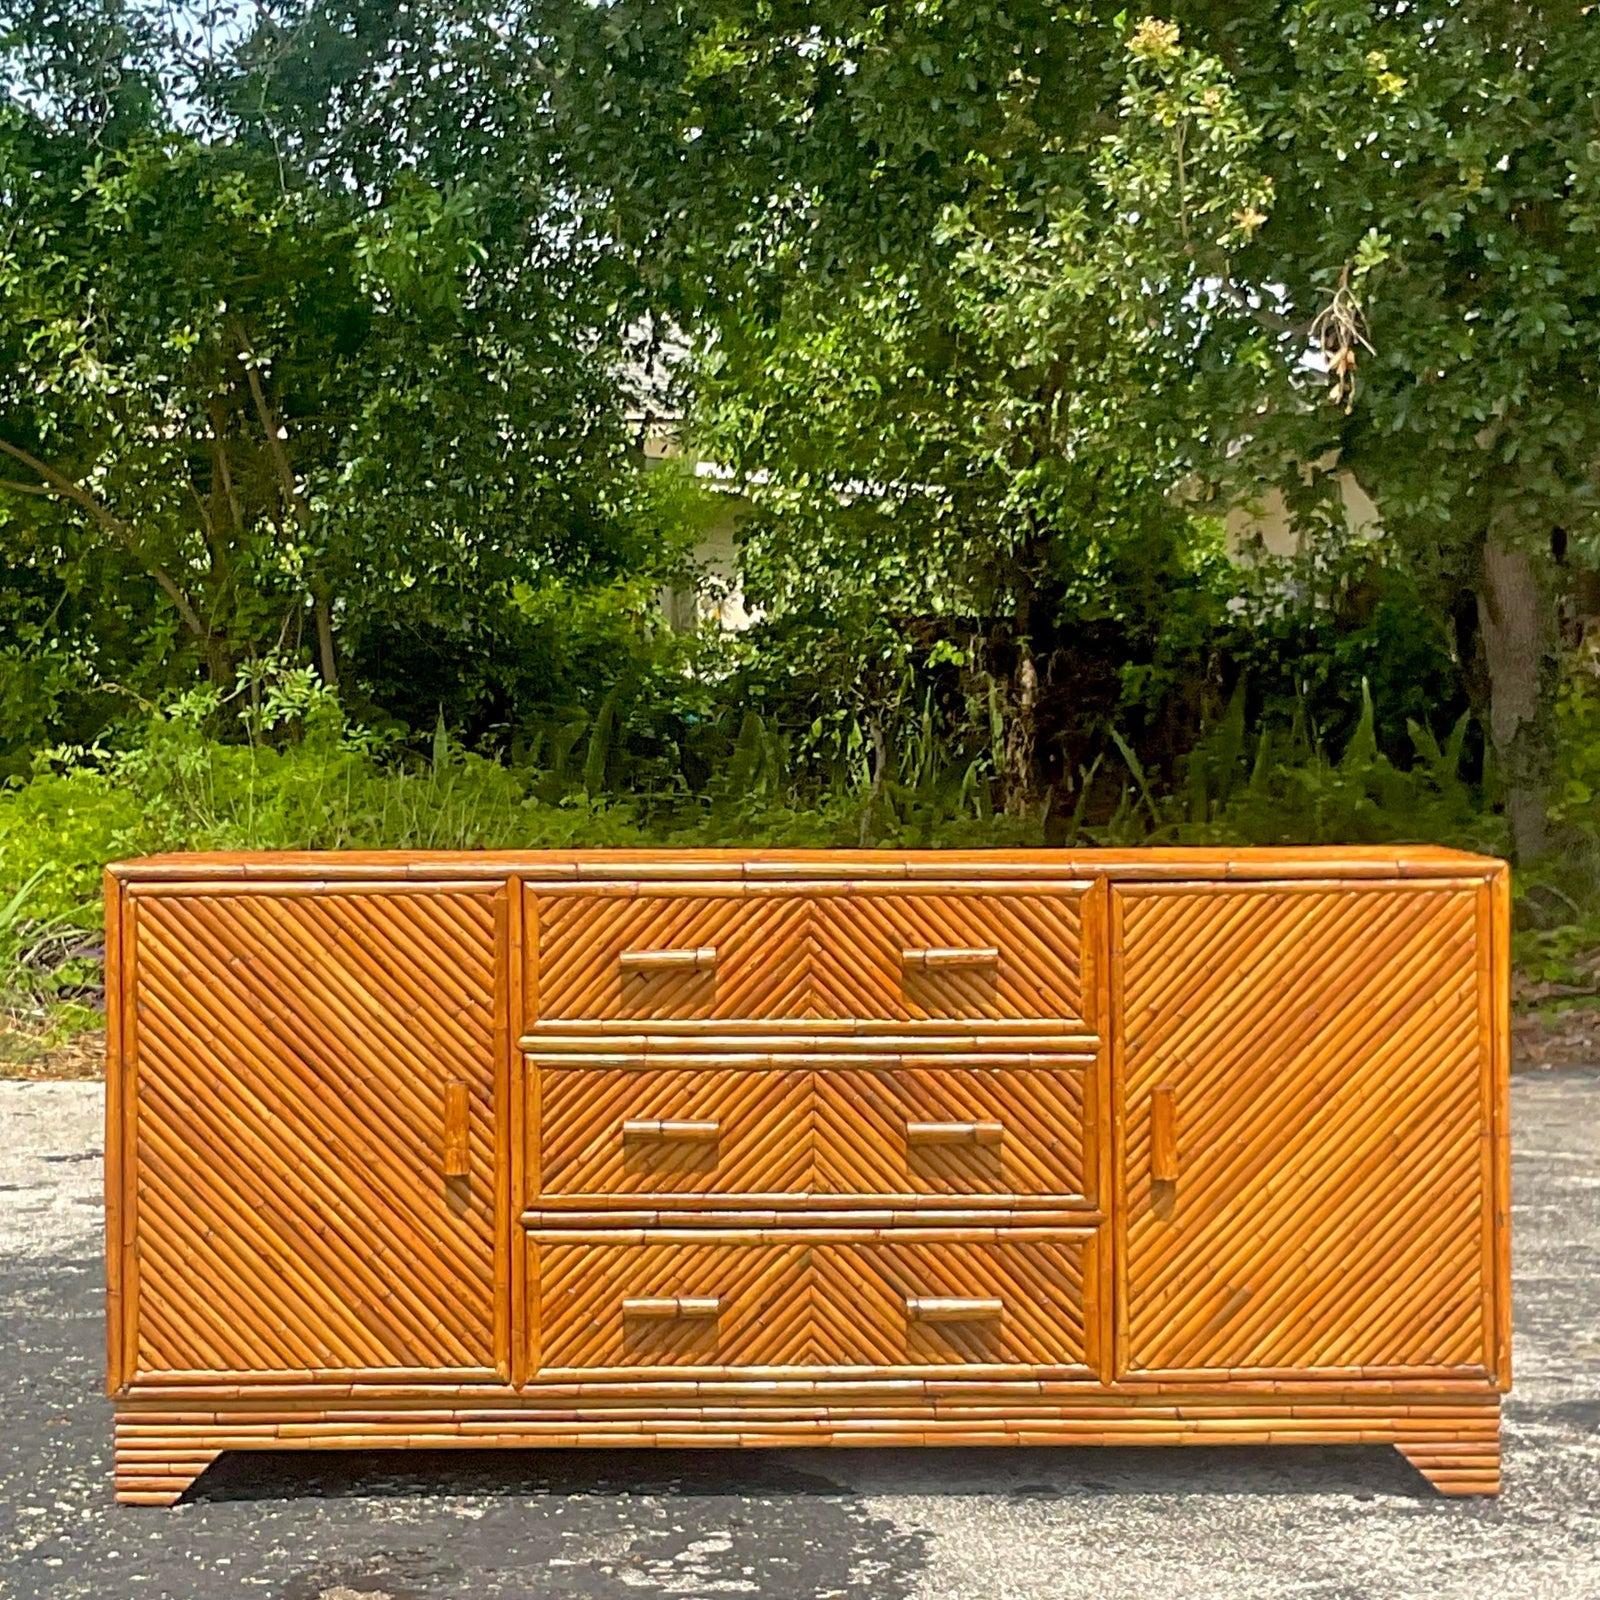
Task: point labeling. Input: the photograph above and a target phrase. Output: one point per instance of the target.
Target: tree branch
(217, 416)
(205, 515)
(1273, 321)
(60, 486)
(327, 660)
(271, 428)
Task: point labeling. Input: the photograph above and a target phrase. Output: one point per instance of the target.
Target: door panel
(307, 1068)
(1304, 1093)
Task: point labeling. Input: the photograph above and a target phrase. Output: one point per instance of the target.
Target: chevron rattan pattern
(763, 1131)
(292, 1056)
(834, 1304)
(823, 951)
(1323, 1049)
(725, 1133)
(864, 1137)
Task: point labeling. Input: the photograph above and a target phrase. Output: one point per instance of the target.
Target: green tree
(1433, 233)
(296, 412)
(1029, 275)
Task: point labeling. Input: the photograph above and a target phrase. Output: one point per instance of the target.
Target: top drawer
(827, 952)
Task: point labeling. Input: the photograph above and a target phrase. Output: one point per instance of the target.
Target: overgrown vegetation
(329, 335)
(277, 764)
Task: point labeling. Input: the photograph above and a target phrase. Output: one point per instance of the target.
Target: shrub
(1282, 785)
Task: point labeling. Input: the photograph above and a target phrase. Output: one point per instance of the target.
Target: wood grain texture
(1325, 1045)
(757, 1148)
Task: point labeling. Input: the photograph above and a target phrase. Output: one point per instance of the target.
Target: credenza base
(162, 1448)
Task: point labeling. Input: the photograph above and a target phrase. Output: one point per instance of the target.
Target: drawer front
(826, 951)
(872, 1302)
(672, 1131)
(970, 1133)
(873, 1135)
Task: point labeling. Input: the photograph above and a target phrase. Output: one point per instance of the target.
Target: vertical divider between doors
(1116, 1206)
(514, 1261)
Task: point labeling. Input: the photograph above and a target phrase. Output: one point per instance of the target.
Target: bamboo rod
(703, 958)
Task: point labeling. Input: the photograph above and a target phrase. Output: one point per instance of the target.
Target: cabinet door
(1307, 1094)
(312, 1085)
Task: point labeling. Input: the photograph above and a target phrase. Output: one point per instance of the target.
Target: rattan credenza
(758, 1148)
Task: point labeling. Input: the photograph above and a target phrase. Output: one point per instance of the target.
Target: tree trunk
(1021, 774)
(1024, 784)
(219, 659)
(327, 658)
(1517, 624)
(880, 776)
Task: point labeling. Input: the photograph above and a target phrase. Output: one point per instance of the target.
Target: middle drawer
(789, 1132)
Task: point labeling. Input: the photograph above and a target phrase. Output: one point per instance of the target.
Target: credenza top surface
(1153, 864)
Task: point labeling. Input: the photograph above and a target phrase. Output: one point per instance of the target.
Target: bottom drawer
(819, 1300)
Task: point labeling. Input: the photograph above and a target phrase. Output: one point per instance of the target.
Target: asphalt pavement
(1029, 1524)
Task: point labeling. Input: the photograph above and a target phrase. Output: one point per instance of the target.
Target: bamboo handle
(934, 1309)
(943, 959)
(701, 959)
(1163, 1136)
(668, 1308)
(944, 1133)
(658, 1128)
(457, 1152)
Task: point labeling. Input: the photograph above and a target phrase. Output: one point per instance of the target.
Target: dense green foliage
(326, 327)
(1040, 271)
(239, 421)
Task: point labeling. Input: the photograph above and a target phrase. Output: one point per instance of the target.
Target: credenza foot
(147, 1475)
(1458, 1467)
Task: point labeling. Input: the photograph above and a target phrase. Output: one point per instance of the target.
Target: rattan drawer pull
(946, 1133)
(703, 958)
(457, 1144)
(944, 1310)
(670, 1308)
(655, 1128)
(946, 959)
